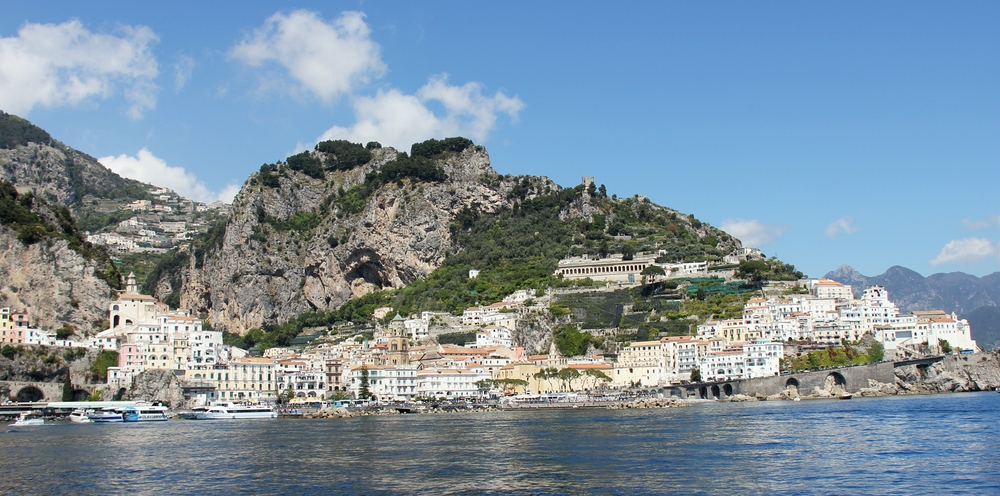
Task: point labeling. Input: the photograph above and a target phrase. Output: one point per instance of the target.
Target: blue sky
(865, 133)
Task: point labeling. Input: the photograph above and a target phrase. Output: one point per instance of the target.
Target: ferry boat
(29, 418)
(109, 414)
(139, 413)
(146, 413)
(231, 411)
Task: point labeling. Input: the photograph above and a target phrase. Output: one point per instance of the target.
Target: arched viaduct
(42, 391)
(846, 379)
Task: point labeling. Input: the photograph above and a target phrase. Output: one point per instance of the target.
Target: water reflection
(945, 443)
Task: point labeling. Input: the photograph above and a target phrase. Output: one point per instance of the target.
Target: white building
(450, 383)
(397, 383)
(723, 366)
(493, 336)
(763, 359)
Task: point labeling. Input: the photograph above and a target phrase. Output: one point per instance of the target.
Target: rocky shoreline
(953, 374)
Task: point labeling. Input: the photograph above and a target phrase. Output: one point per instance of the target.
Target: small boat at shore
(845, 396)
(29, 418)
(80, 416)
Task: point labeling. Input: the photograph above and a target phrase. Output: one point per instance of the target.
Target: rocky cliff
(58, 284)
(956, 373)
(291, 248)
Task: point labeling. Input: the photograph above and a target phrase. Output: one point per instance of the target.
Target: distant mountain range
(974, 298)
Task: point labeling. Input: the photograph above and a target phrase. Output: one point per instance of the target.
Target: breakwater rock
(953, 374)
(331, 413)
(649, 403)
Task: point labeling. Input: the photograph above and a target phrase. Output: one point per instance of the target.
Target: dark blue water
(899, 445)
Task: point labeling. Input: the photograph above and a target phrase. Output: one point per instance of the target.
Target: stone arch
(716, 392)
(30, 394)
(835, 382)
(728, 389)
(119, 395)
(80, 395)
(792, 385)
(703, 392)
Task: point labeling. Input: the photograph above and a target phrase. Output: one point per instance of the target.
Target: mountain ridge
(969, 296)
(344, 220)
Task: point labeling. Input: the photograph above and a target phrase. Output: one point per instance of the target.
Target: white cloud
(329, 59)
(993, 220)
(149, 168)
(841, 224)
(965, 250)
(399, 120)
(182, 71)
(751, 232)
(64, 64)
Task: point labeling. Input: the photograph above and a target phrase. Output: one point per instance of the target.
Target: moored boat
(845, 396)
(147, 413)
(231, 411)
(29, 418)
(80, 416)
(109, 414)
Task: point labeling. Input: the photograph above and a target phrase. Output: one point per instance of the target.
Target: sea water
(938, 444)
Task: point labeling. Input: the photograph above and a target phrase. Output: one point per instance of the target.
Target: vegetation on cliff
(837, 356)
(15, 131)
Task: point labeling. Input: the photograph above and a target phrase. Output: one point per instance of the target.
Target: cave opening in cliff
(370, 272)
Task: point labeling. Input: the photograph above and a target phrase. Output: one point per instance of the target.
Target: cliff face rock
(157, 386)
(55, 282)
(534, 332)
(979, 372)
(291, 248)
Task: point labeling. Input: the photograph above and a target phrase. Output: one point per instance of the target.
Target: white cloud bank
(336, 58)
(751, 232)
(54, 65)
(965, 250)
(843, 224)
(399, 120)
(327, 59)
(149, 168)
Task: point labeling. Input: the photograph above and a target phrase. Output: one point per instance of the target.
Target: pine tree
(363, 389)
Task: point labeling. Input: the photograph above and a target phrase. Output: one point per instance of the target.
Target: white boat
(138, 413)
(80, 415)
(147, 413)
(29, 418)
(231, 411)
(109, 414)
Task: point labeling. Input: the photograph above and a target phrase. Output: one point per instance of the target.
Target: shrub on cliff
(306, 163)
(432, 147)
(344, 155)
(104, 360)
